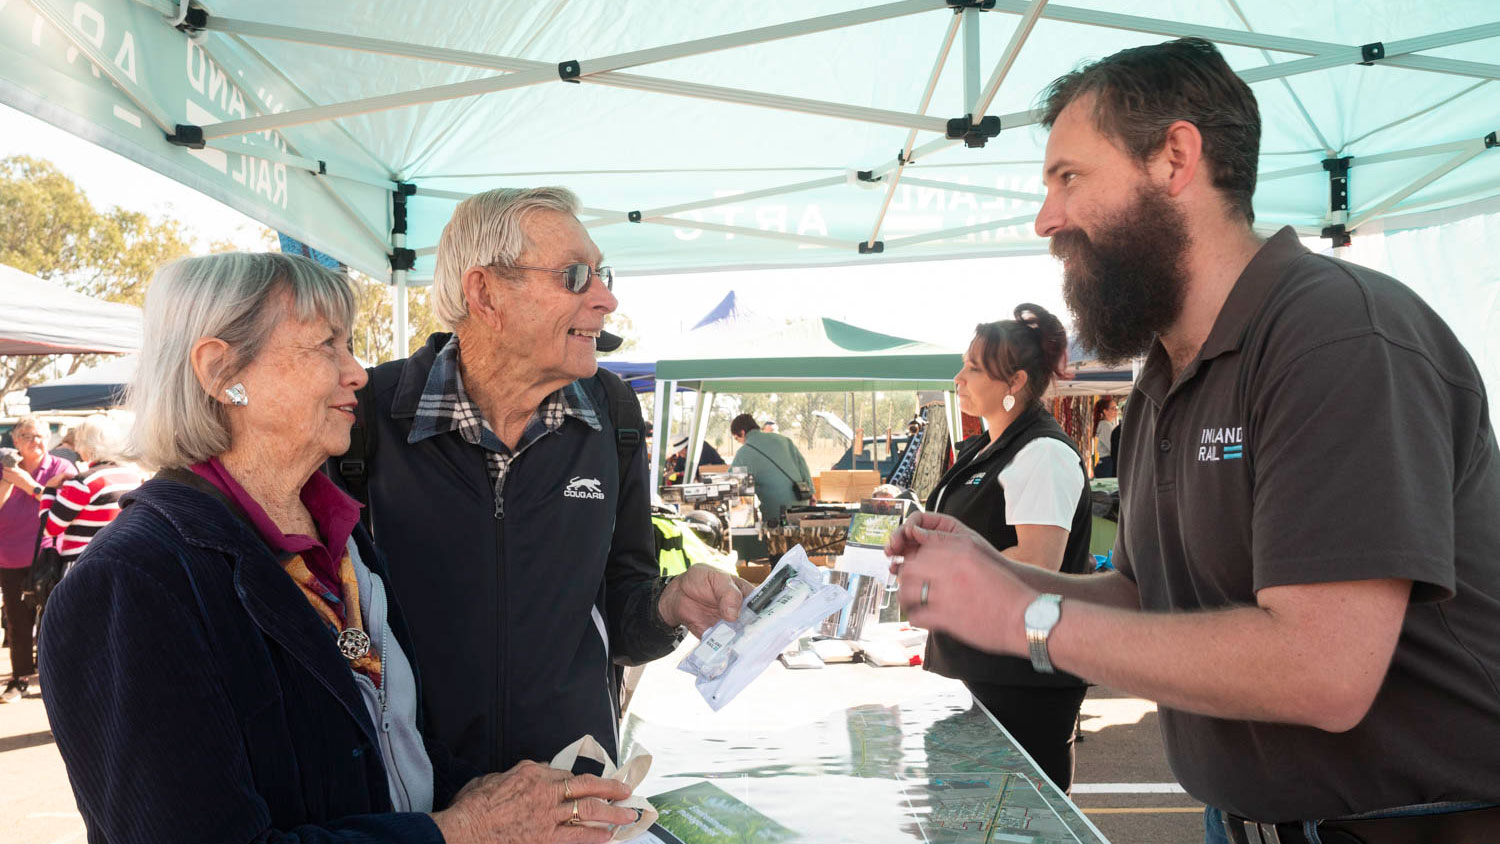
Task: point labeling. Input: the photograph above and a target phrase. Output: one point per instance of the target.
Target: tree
(374, 340)
(624, 326)
(52, 231)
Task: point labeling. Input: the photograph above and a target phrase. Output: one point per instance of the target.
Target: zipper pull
(499, 506)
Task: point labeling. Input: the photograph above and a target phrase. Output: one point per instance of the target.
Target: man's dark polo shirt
(1331, 429)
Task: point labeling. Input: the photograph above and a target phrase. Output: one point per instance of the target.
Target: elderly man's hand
(955, 582)
(702, 596)
(533, 802)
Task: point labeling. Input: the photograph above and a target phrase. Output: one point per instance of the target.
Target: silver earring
(237, 397)
(1009, 403)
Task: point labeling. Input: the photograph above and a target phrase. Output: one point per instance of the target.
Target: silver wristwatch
(1041, 616)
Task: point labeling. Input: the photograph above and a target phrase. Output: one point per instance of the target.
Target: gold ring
(575, 820)
(567, 790)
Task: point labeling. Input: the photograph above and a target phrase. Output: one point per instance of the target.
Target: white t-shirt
(1103, 432)
(1042, 484)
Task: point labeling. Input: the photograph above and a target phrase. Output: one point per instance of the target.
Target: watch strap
(1036, 639)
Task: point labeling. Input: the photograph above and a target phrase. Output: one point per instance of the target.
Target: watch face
(1041, 615)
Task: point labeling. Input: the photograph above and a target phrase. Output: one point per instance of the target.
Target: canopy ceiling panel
(737, 132)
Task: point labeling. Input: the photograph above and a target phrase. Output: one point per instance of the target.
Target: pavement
(1122, 782)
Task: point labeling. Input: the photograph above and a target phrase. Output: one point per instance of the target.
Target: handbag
(46, 567)
(802, 489)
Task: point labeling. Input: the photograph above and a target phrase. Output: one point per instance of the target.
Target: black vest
(971, 492)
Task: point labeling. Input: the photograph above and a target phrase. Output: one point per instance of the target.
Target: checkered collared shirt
(445, 407)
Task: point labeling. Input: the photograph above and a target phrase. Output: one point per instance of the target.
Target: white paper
(859, 559)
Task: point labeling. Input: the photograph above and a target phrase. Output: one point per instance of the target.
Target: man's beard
(1127, 283)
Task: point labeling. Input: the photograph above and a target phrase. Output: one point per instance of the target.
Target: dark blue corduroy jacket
(196, 697)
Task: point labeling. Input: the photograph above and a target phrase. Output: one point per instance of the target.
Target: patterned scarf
(332, 609)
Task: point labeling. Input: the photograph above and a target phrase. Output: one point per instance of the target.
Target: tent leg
(661, 431)
(955, 419)
(698, 433)
(402, 261)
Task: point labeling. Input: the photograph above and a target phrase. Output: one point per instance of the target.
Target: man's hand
(700, 597)
(955, 582)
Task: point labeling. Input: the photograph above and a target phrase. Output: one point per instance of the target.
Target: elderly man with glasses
(506, 484)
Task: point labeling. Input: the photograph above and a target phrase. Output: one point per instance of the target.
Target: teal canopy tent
(710, 135)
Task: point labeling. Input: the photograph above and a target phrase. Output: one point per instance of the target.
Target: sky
(938, 302)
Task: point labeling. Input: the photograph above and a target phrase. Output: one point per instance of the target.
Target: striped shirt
(85, 504)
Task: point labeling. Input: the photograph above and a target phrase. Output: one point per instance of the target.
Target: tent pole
(1475, 148)
(960, 231)
(1378, 158)
(655, 214)
(661, 431)
(699, 432)
(977, 190)
(1007, 59)
(748, 232)
(970, 16)
(970, 20)
(955, 418)
(572, 69)
(402, 261)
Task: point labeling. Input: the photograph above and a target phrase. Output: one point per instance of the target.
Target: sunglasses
(577, 277)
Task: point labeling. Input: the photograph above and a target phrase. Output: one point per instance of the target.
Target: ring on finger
(922, 599)
(575, 820)
(567, 789)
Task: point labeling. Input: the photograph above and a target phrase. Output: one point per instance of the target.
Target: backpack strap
(354, 465)
(625, 414)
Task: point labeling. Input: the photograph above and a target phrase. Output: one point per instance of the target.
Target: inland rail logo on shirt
(583, 488)
(976, 480)
(1216, 444)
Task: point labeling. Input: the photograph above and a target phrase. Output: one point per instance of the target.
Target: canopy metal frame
(513, 73)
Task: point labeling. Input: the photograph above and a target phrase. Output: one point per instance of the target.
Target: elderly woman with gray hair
(223, 663)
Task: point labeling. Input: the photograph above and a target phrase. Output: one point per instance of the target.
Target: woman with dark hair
(1106, 420)
(1020, 485)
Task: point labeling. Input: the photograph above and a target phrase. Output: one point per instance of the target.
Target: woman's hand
(533, 802)
(20, 478)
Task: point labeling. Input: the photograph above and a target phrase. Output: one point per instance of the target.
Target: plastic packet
(793, 598)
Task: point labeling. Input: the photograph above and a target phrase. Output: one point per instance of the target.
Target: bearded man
(1307, 577)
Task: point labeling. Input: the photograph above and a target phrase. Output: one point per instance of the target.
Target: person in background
(65, 448)
(768, 426)
(677, 462)
(1021, 486)
(1106, 419)
(224, 662)
(782, 478)
(88, 502)
(25, 489)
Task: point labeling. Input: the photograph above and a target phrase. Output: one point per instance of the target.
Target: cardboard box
(845, 484)
(755, 573)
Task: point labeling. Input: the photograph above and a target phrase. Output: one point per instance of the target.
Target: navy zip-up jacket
(196, 696)
(517, 621)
